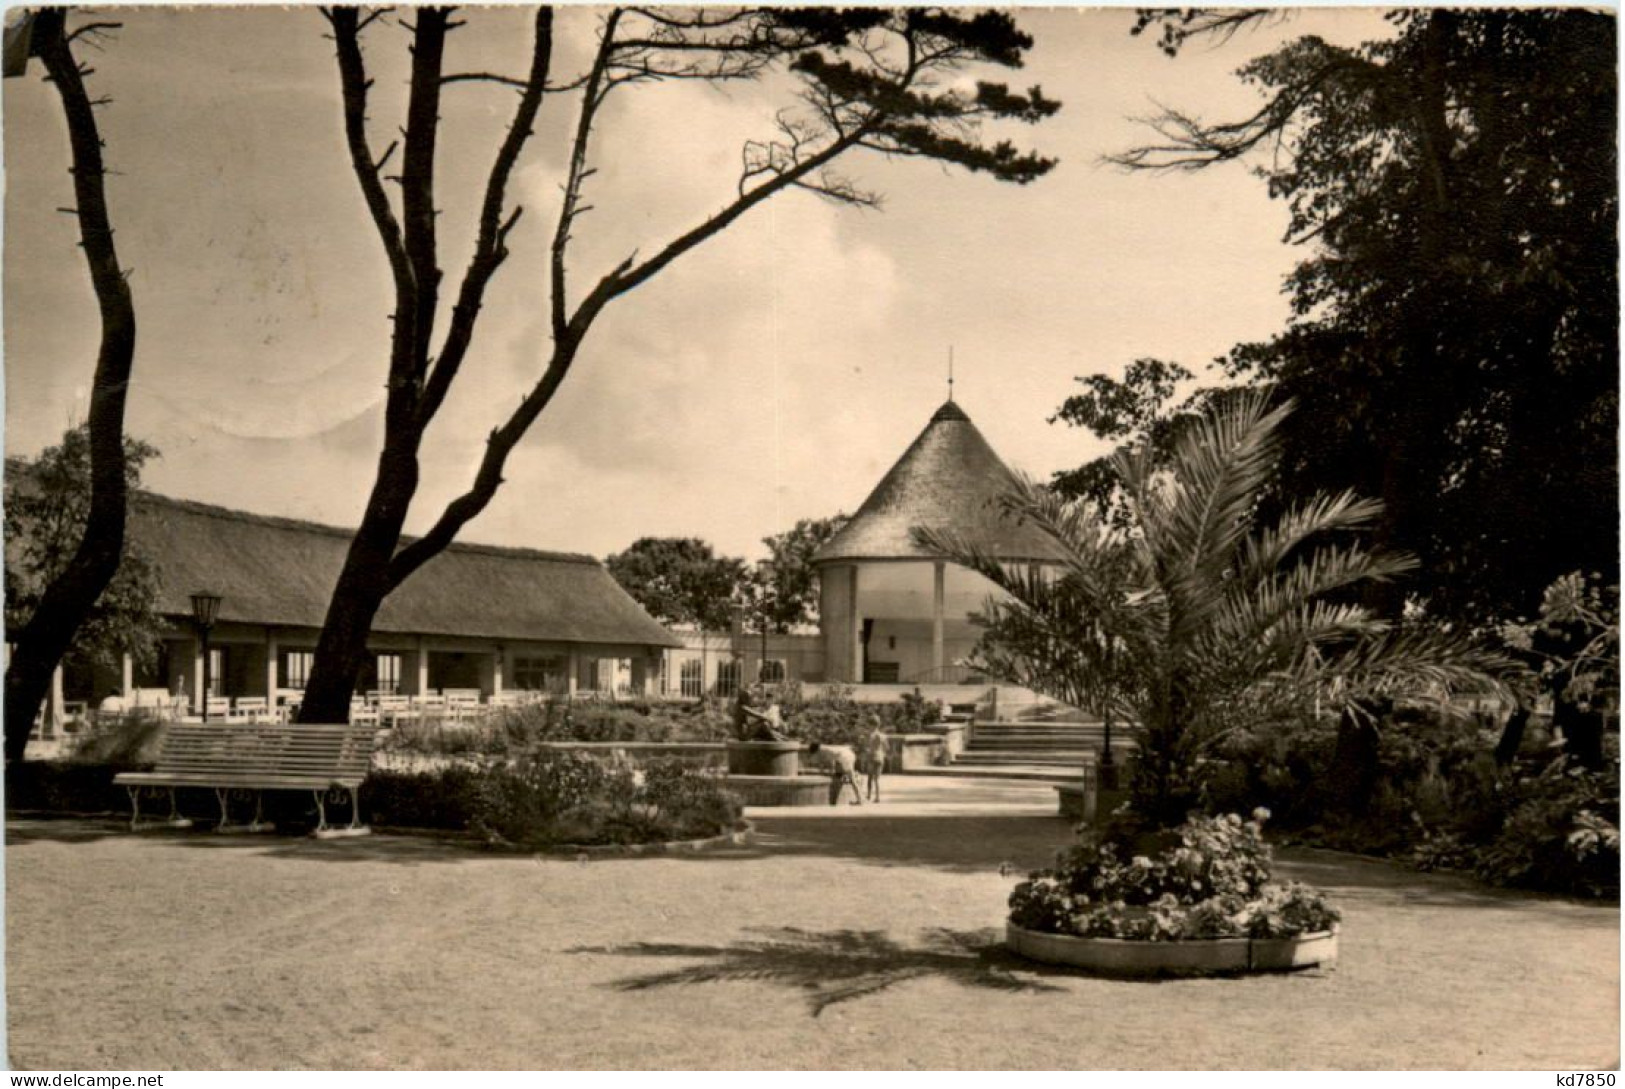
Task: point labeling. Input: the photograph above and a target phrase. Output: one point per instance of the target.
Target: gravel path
(857, 937)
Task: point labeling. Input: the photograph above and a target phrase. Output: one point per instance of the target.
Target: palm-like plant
(1196, 618)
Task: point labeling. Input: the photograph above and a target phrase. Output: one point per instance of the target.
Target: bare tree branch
(490, 247)
(355, 85)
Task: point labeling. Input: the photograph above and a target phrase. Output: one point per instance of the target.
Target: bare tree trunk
(341, 650)
(69, 598)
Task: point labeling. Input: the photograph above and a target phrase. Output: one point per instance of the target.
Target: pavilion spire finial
(950, 374)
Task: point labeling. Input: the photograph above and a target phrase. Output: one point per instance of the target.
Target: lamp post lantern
(205, 609)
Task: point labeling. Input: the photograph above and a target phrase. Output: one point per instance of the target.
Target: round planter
(764, 757)
(1215, 956)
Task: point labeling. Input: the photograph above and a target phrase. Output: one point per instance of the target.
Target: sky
(771, 375)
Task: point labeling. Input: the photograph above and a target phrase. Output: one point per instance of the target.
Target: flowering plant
(1210, 881)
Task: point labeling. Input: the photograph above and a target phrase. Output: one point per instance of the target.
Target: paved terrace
(850, 937)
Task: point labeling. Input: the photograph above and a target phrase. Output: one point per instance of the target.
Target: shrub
(1209, 879)
(1558, 835)
(512, 731)
(522, 801)
(559, 797)
(445, 797)
(689, 802)
(127, 741)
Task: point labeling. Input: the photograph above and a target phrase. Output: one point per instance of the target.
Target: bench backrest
(341, 754)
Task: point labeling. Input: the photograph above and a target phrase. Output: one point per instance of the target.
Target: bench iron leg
(260, 823)
(354, 828)
(135, 807)
(220, 793)
(175, 818)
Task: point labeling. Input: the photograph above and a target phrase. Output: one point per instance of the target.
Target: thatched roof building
(949, 478)
(892, 611)
(280, 571)
(474, 617)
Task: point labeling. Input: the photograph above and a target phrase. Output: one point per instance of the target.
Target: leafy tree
(1136, 409)
(790, 592)
(869, 80)
(47, 507)
(1200, 617)
(680, 580)
(1454, 336)
(74, 588)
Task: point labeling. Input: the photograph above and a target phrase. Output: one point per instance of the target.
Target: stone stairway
(1038, 748)
(1032, 744)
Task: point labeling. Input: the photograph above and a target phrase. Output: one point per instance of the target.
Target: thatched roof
(282, 571)
(950, 478)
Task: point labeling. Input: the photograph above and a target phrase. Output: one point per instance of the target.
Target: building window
(217, 670)
(389, 673)
(692, 677)
(728, 674)
(296, 668)
(771, 671)
(539, 674)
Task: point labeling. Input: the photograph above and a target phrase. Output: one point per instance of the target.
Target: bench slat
(266, 755)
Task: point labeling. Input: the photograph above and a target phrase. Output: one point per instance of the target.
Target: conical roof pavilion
(949, 478)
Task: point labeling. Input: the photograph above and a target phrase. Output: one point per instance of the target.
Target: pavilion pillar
(53, 718)
(198, 695)
(272, 651)
(498, 668)
(126, 675)
(855, 621)
(573, 674)
(422, 668)
(939, 572)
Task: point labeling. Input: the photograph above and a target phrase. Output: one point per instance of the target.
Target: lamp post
(205, 608)
(765, 595)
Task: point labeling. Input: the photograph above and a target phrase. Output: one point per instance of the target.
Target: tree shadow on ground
(838, 966)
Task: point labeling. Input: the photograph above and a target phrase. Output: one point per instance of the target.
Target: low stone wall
(779, 790)
(1085, 803)
(909, 752)
(953, 735)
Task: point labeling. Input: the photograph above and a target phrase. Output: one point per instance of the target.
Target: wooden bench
(227, 756)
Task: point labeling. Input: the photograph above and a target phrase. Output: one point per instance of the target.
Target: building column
(126, 676)
(939, 572)
(572, 674)
(198, 695)
(53, 718)
(272, 652)
(499, 662)
(854, 620)
(422, 669)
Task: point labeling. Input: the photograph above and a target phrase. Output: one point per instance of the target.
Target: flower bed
(1205, 882)
(555, 798)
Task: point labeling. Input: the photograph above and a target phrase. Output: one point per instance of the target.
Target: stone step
(1036, 773)
(1079, 741)
(1037, 746)
(1043, 758)
(1042, 725)
(1078, 731)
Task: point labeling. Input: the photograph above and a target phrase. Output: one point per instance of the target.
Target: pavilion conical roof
(949, 478)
